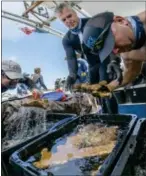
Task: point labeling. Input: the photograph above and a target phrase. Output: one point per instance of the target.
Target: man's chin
(72, 27)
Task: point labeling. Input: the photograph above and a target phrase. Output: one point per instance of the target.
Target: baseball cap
(98, 36)
(12, 69)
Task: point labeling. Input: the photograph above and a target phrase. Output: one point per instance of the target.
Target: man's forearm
(137, 55)
(42, 83)
(129, 75)
(72, 67)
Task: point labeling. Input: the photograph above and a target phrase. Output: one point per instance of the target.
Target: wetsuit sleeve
(85, 68)
(71, 57)
(42, 82)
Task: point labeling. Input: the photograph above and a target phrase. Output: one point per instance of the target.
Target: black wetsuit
(97, 70)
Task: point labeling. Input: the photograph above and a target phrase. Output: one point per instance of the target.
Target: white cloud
(118, 7)
(14, 58)
(14, 7)
(10, 29)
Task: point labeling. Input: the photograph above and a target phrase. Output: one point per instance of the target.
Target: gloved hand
(70, 82)
(83, 74)
(35, 103)
(104, 90)
(114, 71)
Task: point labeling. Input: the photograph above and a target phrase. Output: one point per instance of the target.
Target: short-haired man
(107, 33)
(38, 80)
(72, 43)
(10, 75)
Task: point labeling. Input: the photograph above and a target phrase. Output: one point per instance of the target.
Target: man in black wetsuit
(72, 43)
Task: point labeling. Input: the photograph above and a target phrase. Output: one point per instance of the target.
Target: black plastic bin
(120, 96)
(134, 153)
(126, 124)
(137, 94)
(50, 117)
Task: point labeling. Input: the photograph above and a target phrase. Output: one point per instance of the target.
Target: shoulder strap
(81, 42)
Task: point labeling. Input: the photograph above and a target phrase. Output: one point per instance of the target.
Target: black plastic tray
(120, 96)
(62, 119)
(137, 93)
(125, 122)
(127, 161)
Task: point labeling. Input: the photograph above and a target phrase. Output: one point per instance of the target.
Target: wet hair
(61, 6)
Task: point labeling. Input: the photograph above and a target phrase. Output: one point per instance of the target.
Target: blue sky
(45, 50)
(38, 50)
(35, 50)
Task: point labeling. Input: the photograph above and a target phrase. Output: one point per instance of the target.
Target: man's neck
(77, 29)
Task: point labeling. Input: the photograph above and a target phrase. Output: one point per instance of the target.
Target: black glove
(70, 82)
(114, 71)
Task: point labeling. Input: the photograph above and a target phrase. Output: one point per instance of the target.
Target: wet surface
(136, 165)
(79, 153)
(140, 168)
(24, 124)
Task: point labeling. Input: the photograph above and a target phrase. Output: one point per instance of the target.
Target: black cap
(98, 36)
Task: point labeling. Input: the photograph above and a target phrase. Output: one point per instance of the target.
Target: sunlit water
(25, 124)
(78, 153)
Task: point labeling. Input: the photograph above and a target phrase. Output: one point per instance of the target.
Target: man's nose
(67, 20)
